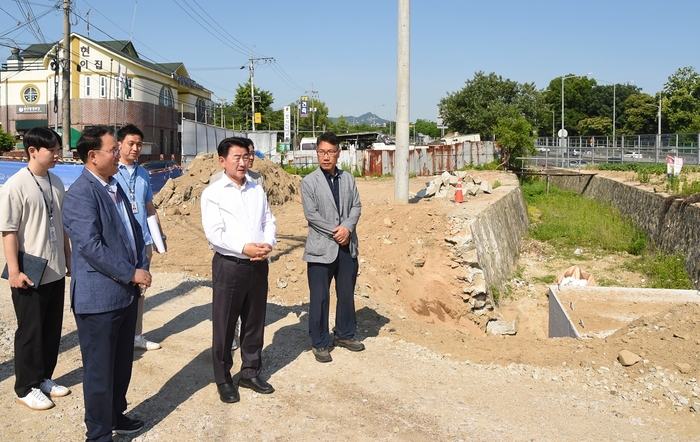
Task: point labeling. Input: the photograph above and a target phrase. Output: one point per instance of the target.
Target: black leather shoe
(256, 384)
(126, 425)
(228, 393)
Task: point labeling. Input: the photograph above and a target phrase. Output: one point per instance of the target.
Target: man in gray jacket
(332, 208)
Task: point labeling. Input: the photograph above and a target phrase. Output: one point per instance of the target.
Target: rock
(421, 193)
(445, 177)
(500, 327)
(683, 367)
(281, 283)
(418, 262)
(453, 180)
(486, 187)
(477, 180)
(431, 189)
(387, 222)
(628, 358)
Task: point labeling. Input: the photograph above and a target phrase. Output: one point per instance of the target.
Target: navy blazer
(102, 261)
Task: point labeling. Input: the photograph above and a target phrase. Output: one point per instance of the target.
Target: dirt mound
(181, 195)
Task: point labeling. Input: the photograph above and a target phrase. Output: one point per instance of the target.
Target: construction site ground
(430, 372)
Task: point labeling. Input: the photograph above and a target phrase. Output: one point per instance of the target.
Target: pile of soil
(181, 195)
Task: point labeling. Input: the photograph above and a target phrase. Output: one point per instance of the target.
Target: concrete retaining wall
(678, 230)
(497, 232)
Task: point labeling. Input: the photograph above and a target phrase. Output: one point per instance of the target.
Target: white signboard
(287, 124)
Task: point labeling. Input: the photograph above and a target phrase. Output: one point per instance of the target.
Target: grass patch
(568, 221)
(299, 170)
(662, 271)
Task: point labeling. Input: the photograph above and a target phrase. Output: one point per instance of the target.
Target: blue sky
(347, 50)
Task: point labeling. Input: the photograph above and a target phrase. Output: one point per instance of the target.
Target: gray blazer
(322, 216)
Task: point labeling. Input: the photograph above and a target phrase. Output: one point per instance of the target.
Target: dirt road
(427, 373)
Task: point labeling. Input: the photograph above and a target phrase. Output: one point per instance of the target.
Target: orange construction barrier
(459, 196)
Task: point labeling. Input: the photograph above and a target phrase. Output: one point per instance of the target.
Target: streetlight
(614, 109)
(562, 97)
(658, 135)
(553, 133)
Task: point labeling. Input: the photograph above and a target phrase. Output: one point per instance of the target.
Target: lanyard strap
(49, 208)
(131, 180)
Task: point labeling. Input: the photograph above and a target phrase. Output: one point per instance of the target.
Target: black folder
(30, 265)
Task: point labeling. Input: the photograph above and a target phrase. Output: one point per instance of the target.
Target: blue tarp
(70, 172)
(67, 172)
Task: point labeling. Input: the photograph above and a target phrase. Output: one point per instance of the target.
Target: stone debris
(627, 358)
(281, 283)
(500, 327)
(683, 367)
(388, 222)
(443, 186)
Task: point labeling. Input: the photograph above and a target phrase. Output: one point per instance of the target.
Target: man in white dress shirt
(239, 225)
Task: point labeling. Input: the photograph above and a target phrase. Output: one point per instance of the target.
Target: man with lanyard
(136, 182)
(31, 204)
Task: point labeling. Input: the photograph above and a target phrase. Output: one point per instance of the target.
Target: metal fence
(422, 160)
(643, 148)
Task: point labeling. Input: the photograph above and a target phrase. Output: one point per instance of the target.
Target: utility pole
(222, 100)
(403, 90)
(314, 100)
(253, 61)
(66, 64)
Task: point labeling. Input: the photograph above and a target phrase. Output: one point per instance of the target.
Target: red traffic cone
(459, 196)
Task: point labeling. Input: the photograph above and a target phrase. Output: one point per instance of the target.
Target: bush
(7, 142)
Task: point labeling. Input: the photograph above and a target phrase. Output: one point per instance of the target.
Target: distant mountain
(367, 118)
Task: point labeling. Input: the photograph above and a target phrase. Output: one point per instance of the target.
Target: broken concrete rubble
(443, 186)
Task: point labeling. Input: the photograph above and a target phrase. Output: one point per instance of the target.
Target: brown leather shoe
(322, 354)
(351, 344)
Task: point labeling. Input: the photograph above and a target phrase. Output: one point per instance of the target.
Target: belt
(240, 260)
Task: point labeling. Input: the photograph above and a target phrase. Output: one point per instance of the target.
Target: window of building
(30, 94)
(88, 84)
(103, 86)
(127, 88)
(201, 110)
(166, 97)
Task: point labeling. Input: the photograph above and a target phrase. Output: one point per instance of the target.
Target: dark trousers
(239, 289)
(39, 313)
(107, 346)
(344, 271)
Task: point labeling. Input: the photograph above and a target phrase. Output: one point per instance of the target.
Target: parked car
(161, 171)
(631, 154)
(578, 163)
(543, 149)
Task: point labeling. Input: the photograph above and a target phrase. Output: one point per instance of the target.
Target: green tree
(514, 136)
(681, 104)
(341, 126)
(7, 141)
(427, 127)
(485, 99)
(595, 126)
(577, 91)
(242, 105)
(640, 115)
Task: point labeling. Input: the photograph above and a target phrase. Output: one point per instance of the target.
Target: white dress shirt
(234, 216)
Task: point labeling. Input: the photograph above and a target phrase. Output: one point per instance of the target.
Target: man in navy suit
(109, 268)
